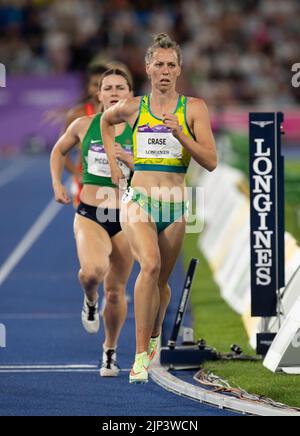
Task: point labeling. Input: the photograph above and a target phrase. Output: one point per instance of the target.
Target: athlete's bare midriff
(99, 196)
(159, 185)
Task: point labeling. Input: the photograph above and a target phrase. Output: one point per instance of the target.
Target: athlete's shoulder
(79, 124)
(196, 106)
(194, 101)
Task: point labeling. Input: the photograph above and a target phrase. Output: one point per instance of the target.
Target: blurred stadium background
(238, 56)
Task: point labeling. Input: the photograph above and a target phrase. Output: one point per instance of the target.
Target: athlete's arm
(122, 112)
(73, 115)
(72, 168)
(64, 145)
(203, 147)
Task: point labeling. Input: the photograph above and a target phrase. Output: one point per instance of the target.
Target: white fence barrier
(226, 244)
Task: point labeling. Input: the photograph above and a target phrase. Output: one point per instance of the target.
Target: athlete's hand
(61, 194)
(171, 121)
(120, 153)
(118, 178)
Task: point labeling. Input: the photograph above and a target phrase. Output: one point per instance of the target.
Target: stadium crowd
(235, 52)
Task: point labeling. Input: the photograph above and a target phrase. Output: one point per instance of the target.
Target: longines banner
(267, 212)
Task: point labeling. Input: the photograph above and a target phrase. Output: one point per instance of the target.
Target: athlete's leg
(170, 244)
(115, 310)
(94, 249)
(143, 240)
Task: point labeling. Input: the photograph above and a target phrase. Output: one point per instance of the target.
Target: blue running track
(49, 365)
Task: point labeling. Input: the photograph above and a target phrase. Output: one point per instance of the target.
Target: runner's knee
(92, 276)
(114, 293)
(151, 266)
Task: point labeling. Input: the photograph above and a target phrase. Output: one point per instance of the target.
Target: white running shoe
(90, 317)
(110, 367)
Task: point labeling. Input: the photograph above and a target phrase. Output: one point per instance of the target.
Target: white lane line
(32, 367)
(48, 371)
(37, 316)
(12, 172)
(29, 239)
(20, 369)
(42, 316)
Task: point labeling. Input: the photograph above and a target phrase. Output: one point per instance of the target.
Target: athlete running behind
(103, 250)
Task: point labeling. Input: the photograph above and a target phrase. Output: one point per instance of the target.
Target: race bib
(98, 164)
(128, 196)
(157, 143)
